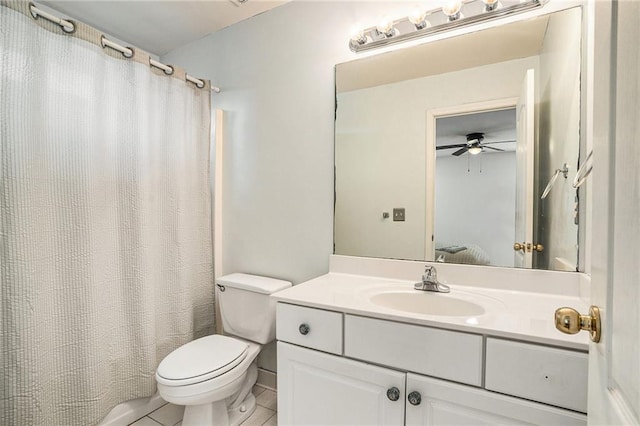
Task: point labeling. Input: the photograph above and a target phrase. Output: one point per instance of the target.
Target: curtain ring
(62, 23)
(170, 71)
(127, 52)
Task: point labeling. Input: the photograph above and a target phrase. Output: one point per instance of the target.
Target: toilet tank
(246, 308)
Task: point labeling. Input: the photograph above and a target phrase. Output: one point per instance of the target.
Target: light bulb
(452, 9)
(475, 150)
(490, 5)
(385, 26)
(418, 17)
(358, 37)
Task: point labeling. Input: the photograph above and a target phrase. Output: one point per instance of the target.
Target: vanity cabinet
(316, 388)
(391, 373)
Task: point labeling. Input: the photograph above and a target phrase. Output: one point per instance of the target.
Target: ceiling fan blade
(495, 149)
(461, 151)
(489, 143)
(458, 145)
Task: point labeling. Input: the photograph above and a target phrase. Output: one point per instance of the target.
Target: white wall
(559, 137)
(380, 154)
(475, 203)
(276, 71)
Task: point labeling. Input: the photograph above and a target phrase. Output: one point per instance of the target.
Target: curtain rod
(69, 27)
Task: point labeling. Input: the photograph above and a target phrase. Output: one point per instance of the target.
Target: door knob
(569, 321)
(528, 247)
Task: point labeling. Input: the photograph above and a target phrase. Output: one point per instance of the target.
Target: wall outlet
(398, 215)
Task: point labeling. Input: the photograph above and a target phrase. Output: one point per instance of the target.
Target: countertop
(519, 315)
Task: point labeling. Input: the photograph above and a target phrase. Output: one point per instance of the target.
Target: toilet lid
(202, 359)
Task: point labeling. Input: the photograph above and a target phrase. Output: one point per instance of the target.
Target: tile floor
(265, 414)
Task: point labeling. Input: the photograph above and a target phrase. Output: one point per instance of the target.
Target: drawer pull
(393, 394)
(415, 398)
(304, 329)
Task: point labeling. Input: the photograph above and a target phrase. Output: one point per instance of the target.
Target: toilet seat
(201, 360)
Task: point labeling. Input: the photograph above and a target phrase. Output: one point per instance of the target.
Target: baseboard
(267, 379)
(130, 411)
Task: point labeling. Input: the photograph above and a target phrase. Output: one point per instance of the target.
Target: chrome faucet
(430, 281)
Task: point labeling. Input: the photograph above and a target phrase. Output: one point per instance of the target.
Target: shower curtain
(105, 237)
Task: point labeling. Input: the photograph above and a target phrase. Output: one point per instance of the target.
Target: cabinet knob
(393, 394)
(304, 329)
(414, 398)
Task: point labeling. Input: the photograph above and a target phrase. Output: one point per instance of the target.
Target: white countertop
(520, 315)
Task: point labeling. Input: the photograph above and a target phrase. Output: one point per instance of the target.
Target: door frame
(430, 155)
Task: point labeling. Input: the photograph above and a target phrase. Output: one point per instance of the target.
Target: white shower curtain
(105, 250)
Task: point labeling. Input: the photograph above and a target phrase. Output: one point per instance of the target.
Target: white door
(525, 120)
(315, 388)
(614, 363)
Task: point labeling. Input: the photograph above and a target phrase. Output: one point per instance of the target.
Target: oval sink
(420, 302)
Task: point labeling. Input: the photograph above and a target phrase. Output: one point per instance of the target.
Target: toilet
(213, 376)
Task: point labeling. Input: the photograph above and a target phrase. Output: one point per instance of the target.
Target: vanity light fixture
(423, 22)
(419, 18)
(385, 27)
(358, 37)
(490, 5)
(453, 10)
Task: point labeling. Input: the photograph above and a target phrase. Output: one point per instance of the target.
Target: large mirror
(444, 150)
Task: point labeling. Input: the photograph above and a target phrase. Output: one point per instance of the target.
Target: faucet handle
(430, 273)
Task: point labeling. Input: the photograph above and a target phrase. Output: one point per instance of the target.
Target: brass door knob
(528, 247)
(569, 321)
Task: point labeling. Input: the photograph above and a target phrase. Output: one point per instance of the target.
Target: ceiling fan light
(475, 150)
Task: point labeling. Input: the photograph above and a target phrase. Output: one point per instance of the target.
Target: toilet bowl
(213, 376)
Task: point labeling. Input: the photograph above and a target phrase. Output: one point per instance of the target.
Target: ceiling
(496, 125)
(160, 26)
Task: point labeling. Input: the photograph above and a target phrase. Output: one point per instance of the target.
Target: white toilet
(213, 376)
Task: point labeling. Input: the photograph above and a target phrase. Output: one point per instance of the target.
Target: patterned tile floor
(265, 414)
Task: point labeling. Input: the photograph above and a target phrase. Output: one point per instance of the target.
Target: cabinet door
(445, 403)
(315, 388)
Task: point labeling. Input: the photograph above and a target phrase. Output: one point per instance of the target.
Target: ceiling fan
(474, 145)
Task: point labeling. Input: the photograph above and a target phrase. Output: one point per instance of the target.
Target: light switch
(398, 215)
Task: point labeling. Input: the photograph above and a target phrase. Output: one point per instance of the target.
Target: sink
(427, 303)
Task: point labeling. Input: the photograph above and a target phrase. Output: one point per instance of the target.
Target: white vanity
(361, 346)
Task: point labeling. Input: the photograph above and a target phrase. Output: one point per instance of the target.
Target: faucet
(430, 281)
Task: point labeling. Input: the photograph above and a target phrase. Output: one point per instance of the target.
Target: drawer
(313, 328)
(454, 404)
(439, 353)
(550, 375)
